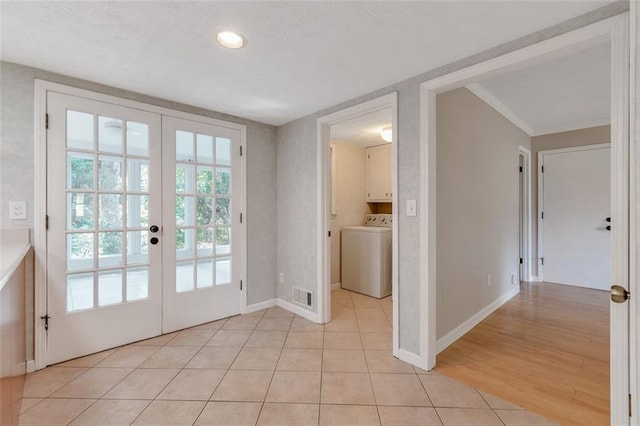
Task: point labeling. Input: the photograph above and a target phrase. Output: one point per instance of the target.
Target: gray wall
(17, 166)
(477, 206)
(590, 136)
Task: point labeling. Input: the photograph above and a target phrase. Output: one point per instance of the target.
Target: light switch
(411, 207)
(17, 210)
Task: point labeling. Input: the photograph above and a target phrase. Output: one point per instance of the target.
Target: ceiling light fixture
(386, 134)
(230, 39)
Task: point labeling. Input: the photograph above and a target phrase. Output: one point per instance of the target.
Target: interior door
(202, 229)
(103, 194)
(576, 208)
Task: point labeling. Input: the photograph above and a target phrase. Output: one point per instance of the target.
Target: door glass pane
(184, 146)
(79, 130)
(79, 170)
(184, 276)
(223, 151)
(184, 243)
(109, 287)
(79, 251)
(185, 211)
(137, 175)
(79, 210)
(137, 211)
(109, 249)
(223, 211)
(109, 134)
(79, 292)
(137, 283)
(223, 241)
(109, 173)
(137, 247)
(184, 178)
(223, 181)
(205, 211)
(223, 271)
(205, 180)
(205, 242)
(137, 138)
(110, 211)
(204, 148)
(205, 273)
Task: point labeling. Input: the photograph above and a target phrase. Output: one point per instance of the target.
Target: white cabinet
(379, 174)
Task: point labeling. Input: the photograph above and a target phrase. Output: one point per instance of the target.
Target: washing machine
(366, 256)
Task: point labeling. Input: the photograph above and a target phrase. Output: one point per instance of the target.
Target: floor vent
(303, 297)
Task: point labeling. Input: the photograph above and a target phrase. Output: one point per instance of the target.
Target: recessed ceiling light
(386, 134)
(230, 39)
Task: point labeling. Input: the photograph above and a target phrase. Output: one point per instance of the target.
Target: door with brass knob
(619, 294)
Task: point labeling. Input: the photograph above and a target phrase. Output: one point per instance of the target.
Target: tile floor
(268, 367)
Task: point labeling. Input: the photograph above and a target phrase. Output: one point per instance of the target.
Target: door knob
(619, 294)
(608, 219)
(154, 240)
(608, 227)
(154, 228)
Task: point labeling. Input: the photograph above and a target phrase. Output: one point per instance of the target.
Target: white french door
(144, 228)
(201, 164)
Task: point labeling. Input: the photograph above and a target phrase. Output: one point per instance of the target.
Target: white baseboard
(336, 286)
(448, 339)
(298, 310)
(410, 358)
(31, 366)
(535, 279)
(260, 306)
(19, 369)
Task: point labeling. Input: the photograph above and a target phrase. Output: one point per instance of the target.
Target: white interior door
(576, 205)
(202, 229)
(103, 193)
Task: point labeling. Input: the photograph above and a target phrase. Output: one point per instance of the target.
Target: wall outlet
(17, 210)
(489, 279)
(281, 278)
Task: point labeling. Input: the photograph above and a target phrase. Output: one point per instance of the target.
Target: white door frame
(324, 203)
(41, 88)
(616, 31)
(526, 212)
(541, 155)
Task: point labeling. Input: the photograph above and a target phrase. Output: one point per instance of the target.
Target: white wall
(477, 206)
(350, 173)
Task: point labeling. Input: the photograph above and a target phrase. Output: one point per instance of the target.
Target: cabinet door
(379, 173)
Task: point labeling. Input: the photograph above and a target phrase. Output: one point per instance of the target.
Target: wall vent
(303, 297)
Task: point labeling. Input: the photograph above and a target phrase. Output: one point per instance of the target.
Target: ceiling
(363, 130)
(301, 57)
(567, 93)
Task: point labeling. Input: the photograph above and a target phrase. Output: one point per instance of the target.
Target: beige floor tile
(377, 341)
(93, 383)
(129, 356)
(142, 384)
(364, 415)
(344, 324)
(44, 382)
(53, 412)
(523, 417)
(170, 413)
(111, 412)
(171, 357)
(156, 341)
(374, 326)
(213, 325)
(193, 385)
(229, 338)
(447, 392)
(300, 360)
(342, 340)
(279, 324)
(288, 414)
(266, 339)
(303, 324)
(498, 403)
(343, 360)
(214, 358)
(277, 312)
(259, 313)
(242, 322)
(405, 416)
(346, 388)
(26, 403)
(365, 302)
(304, 340)
(370, 314)
(87, 361)
(399, 389)
(385, 362)
(468, 416)
(294, 386)
(230, 413)
(242, 385)
(256, 359)
(192, 338)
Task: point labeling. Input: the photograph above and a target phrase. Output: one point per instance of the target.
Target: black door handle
(154, 240)
(608, 219)
(608, 227)
(154, 228)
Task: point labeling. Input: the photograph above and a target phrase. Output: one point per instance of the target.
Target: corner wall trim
(410, 357)
(311, 316)
(31, 366)
(260, 305)
(336, 286)
(448, 339)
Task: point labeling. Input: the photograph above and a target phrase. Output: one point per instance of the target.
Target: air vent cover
(303, 297)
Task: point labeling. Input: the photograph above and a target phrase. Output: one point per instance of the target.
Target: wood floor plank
(546, 350)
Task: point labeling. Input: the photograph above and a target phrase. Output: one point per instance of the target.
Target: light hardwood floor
(546, 350)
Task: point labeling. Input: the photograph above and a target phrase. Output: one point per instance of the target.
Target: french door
(138, 244)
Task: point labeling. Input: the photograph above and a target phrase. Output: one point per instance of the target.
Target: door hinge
(521, 261)
(542, 215)
(240, 217)
(542, 260)
(542, 169)
(240, 150)
(240, 285)
(630, 405)
(46, 222)
(46, 321)
(46, 121)
(329, 233)
(520, 169)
